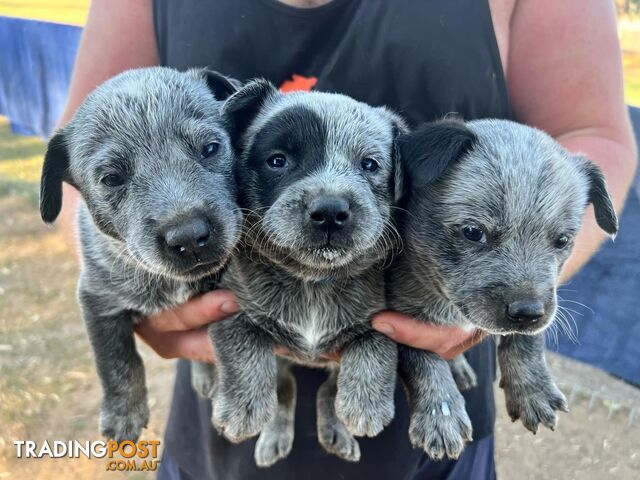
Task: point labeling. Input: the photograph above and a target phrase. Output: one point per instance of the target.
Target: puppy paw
(364, 413)
(120, 422)
(441, 427)
(202, 384)
(336, 439)
(534, 404)
(464, 376)
(242, 416)
(273, 444)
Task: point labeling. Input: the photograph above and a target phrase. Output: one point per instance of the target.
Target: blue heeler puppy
(492, 211)
(317, 175)
(148, 152)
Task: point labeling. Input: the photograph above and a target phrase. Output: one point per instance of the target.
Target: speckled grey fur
(147, 126)
(313, 301)
(524, 191)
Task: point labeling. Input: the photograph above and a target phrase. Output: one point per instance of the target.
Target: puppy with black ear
(317, 179)
(148, 152)
(492, 210)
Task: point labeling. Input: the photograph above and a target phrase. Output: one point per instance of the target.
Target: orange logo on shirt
(297, 83)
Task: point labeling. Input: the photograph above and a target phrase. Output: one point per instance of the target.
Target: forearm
(565, 77)
(618, 160)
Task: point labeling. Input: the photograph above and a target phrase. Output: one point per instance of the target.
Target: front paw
(122, 421)
(244, 414)
(364, 413)
(441, 426)
(534, 403)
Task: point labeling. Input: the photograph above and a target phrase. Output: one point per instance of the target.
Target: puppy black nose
(329, 211)
(189, 236)
(528, 310)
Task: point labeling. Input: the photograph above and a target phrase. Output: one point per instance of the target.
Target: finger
(417, 334)
(189, 344)
(197, 312)
(473, 339)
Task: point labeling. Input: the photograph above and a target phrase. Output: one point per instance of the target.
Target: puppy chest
(313, 328)
(321, 326)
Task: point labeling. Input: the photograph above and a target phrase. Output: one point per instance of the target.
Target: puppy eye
(561, 242)
(113, 180)
(474, 233)
(209, 149)
(369, 165)
(277, 161)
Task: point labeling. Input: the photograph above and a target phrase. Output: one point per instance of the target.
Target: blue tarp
(36, 59)
(605, 297)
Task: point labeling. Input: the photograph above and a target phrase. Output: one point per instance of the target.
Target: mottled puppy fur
(316, 176)
(491, 215)
(158, 220)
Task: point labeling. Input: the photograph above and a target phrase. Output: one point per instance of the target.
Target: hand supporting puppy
(181, 332)
(448, 342)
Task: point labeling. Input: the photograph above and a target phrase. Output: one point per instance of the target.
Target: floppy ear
(427, 152)
(399, 128)
(244, 105)
(398, 170)
(600, 198)
(54, 171)
(221, 86)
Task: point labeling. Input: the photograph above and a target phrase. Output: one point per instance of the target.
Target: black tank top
(424, 59)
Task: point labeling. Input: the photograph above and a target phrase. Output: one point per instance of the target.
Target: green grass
(20, 163)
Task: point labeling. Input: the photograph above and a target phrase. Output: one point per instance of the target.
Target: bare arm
(564, 74)
(565, 77)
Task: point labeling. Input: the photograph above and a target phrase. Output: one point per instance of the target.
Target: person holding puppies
(507, 59)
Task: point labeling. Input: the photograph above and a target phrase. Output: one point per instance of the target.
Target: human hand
(448, 342)
(181, 332)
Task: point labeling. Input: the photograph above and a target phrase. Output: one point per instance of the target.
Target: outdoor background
(49, 389)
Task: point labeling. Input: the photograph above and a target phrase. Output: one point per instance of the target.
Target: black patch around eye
(299, 135)
(277, 161)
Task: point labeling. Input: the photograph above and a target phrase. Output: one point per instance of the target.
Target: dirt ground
(48, 386)
(49, 390)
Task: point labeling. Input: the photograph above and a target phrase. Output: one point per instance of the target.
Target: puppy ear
(244, 105)
(55, 170)
(600, 198)
(428, 151)
(399, 128)
(221, 86)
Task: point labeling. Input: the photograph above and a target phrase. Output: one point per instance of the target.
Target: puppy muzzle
(192, 244)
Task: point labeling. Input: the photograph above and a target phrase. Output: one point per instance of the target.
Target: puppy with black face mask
(492, 211)
(148, 152)
(316, 178)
